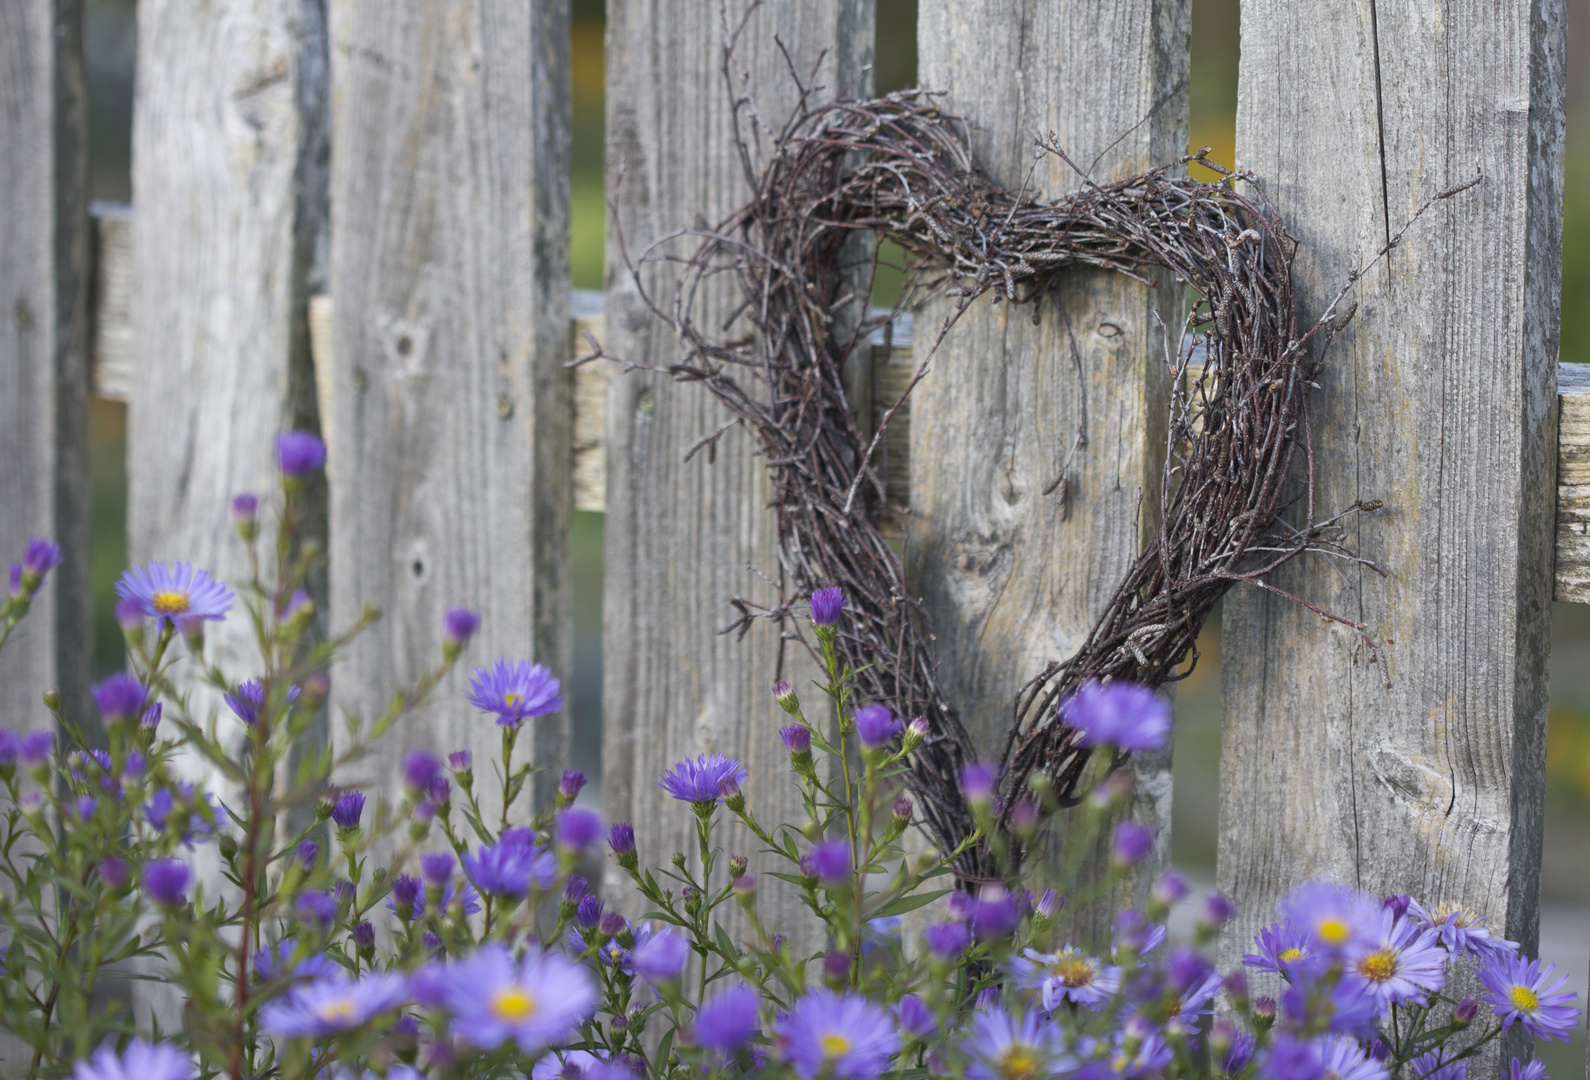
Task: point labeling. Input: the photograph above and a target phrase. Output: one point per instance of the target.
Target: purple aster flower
(915, 1018)
(825, 606)
(113, 872)
(535, 1002)
(1069, 975)
(245, 509)
(1403, 964)
(1135, 933)
(1344, 1059)
(1289, 1058)
(1000, 1047)
(571, 784)
(588, 912)
(697, 781)
(660, 959)
(977, 783)
(842, 1037)
(1280, 945)
(460, 761)
(328, 1006)
(512, 866)
(1535, 1070)
(468, 899)
(299, 453)
(621, 838)
(317, 909)
(151, 716)
(458, 626)
(1122, 715)
(831, 861)
(120, 697)
(363, 935)
(16, 579)
(947, 940)
(577, 828)
(271, 963)
(573, 1065)
(876, 725)
(993, 914)
(348, 810)
(38, 559)
(1343, 1005)
(166, 881)
(308, 853)
(1218, 910)
(1460, 930)
(1130, 843)
(420, 770)
(169, 593)
(1339, 920)
(1521, 991)
(405, 894)
(437, 867)
(797, 738)
(140, 1061)
(86, 805)
(1429, 1067)
(249, 698)
(35, 747)
(10, 746)
(1236, 1057)
(515, 691)
(728, 1020)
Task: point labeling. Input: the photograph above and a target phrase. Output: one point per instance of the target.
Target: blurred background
(109, 42)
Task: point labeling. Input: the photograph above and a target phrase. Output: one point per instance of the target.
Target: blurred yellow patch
(1568, 747)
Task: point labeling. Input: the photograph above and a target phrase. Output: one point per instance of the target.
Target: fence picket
(684, 537)
(451, 409)
(43, 360)
(1014, 571)
(1439, 400)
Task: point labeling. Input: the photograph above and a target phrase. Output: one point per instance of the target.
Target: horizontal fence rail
(892, 371)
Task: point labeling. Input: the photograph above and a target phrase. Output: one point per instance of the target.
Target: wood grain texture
(1440, 400)
(683, 538)
(43, 361)
(450, 472)
(1013, 574)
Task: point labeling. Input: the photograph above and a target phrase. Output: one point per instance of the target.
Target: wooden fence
(354, 213)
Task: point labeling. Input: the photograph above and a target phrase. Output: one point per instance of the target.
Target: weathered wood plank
(43, 360)
(450, 465)
(228, 133)
(1439, 399)
(1013, 572)
(682, 538)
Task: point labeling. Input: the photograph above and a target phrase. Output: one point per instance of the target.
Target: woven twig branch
(1238, 453)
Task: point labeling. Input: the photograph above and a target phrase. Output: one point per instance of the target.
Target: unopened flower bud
(462, 762)
(785, 696)
(744, 885)
(902, 809)
(621, 838)
(245, 515)
(692, 898)
(1465, 1011)
(52, 700)
(836, 968)
(569, 786)
(458, 626)
(1263, 1012)
(678, 859)
(733, 797)
(1024, 818)
(1236, 987)
(130, 617)
(227, 846)
(915, 732)
(738, 864)
(1217, 911)
(618, 1024)
(1049, 904)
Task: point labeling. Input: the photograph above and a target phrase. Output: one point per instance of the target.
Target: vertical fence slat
(43, 361)
(1012, 572)
(684, 537)
(1438, 399)
(43, 358)
(450, 462)
(227, 129)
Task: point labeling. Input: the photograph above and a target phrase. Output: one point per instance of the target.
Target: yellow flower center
(171, 602)
(513, 1005)
(1333, 931)
(1524, 999)
(1020, 1063)
(1447, 908)
(1379, 965)
(834, 1045)
(513, 700)
(1286, 956)
(339, 1010)
(1073, 970)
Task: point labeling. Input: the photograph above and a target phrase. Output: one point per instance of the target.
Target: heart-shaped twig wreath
(899, 168)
